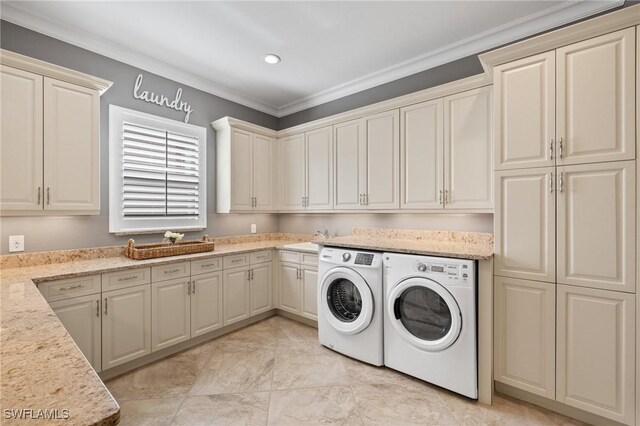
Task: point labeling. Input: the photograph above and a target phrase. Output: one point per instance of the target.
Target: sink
(302, 246)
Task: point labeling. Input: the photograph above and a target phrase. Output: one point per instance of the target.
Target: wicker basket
(150, 251)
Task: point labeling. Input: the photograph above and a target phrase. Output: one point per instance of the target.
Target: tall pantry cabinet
(565, 225)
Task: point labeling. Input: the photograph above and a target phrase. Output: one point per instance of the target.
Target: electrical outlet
(253, 228)
(16, 243)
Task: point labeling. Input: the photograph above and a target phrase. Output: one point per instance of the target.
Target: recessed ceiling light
(271, 58)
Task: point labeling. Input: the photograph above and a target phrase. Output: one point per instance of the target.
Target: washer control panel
(346, 256)
(364, 259)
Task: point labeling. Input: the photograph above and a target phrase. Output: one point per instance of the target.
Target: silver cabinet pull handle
(48, 195)
(189, 287)
(208, 265)
(440, 198)
(132, 277)
(561, 180)
(551, 149)
(39, 190)
(106, 305)
(171, 271)
(73, 287)
(446, 196)
(236, 260)
(98, 308)
(248, 275)
(551, 183)
(560, 150)
(193, 290)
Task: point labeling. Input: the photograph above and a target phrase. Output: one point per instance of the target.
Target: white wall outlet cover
(16, 243)
(253, 228)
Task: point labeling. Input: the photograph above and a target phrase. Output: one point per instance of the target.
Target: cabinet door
(263, 172)
(468, 141)
(596, 99)
(126, 325)
(292, 172)
(319, 161)
(350, 164)
(235, 295)
(21, 149)
(310, 293)
(525, 226)
(421, 156)
(383, 160)
(596, 345)
(525, 112)
(71, 147)
(596, 226)
(241, 170)
(261, 288)
(290, 297)
(524, 335)
(170, 313)
(206, 303)
(81, 317)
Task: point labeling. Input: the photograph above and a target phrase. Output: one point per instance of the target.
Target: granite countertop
(462, 245)
(42, 368)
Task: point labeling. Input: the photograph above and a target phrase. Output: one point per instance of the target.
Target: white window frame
(118, 224)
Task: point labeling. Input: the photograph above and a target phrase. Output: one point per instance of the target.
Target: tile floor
(276, 373)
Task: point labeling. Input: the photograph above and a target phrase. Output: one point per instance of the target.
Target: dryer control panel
(460, 271)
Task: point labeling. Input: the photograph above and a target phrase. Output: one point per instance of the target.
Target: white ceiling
(328, 49)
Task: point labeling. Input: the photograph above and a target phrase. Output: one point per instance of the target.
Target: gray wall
(51, 233)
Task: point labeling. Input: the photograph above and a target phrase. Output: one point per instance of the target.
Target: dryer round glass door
(424, 313)
(346, 301)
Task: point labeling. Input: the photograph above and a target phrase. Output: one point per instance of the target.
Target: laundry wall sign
(176, 103)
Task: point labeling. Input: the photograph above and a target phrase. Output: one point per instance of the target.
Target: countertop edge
(424, 252)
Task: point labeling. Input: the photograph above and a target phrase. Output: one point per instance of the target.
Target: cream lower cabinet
(81, 317)
(170, 312)
(290, 288)
(298, 284)
(524, 335)
(235, 294)
(206, 302)
(126, 325)
(261, 288)
(309, 306)
(596, 351)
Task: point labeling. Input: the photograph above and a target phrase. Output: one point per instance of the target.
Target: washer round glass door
(424, 313)
(347, 302)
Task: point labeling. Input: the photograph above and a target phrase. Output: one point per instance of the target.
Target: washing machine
(430, 323)
(350, 305)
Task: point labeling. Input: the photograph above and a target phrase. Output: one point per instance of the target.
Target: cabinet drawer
(235, 260)
(170, 271)
(260, 257)
(289, 256)
(70, 287)
(125, 279)
(205, 266)
(309, 259)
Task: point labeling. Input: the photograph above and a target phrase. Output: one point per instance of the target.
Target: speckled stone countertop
(41, 367)
(462, 245)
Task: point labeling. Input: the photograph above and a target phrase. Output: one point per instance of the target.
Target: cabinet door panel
(310, 293)
(596, 105)
(421, 152)
(170, 313)
(525, 335)
(206, 303)
(292, 172)
(126, 325)
(81, 317)
(290, 297)
(383, 160)
(320, 169)
(21, 152)
(525, 230)
(596, 226)
(241, 170)
(350, 164)
(261, 288)
(468, 160)
(71, 147)
(235, 294)
(525, 112)
(263, 172)
(596, 345)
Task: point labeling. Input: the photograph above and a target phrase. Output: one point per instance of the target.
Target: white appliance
(430, 320)
(350, 303)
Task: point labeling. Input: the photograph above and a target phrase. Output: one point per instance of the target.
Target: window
(157, 173)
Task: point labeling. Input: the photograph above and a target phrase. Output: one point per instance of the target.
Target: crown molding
(610, 22)
(224, 123)
(36, 66)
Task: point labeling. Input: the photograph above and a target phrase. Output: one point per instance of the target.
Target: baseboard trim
(297, 318)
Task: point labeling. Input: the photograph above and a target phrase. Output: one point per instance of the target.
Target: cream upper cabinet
(596, 345)
(241, 162)
(596, 99)
(235, 294)
(261, 288)
(524, 335)
(525, 229)
(422, 156)
(263, 173)
(71, 147)
(525, 112)
(292, 173)
(468, 153)
(382, 160)
(319, 169)
(350, 164)
(170, 313)
(21, 159)
(596, 225)
(206, 303)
